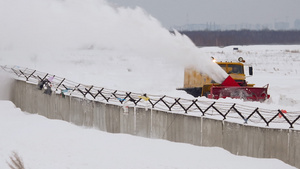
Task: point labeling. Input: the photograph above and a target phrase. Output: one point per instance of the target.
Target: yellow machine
(198, 84)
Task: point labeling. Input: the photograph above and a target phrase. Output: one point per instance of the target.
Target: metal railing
(240, 113)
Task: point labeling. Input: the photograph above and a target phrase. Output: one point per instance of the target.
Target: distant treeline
(242, 37)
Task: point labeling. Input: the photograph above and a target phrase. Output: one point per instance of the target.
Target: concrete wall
(238, 139)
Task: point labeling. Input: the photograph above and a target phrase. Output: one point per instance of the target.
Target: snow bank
(48, 144)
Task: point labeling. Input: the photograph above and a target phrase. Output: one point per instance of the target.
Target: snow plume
(76, 24)
(203, 63)
(210, 68)
(36, 26)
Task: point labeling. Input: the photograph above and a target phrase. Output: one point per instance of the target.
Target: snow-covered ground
(95, 43)
(48, 144)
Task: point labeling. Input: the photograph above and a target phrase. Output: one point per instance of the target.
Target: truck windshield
(237, 69)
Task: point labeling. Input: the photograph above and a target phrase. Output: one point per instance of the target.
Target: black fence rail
(240, 113)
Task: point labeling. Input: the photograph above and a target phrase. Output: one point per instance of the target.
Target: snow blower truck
(234, 86)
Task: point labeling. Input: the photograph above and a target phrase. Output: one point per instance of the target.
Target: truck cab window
(236, 69)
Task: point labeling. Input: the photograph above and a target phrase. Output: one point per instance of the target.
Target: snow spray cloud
(202, 62)
(74, 24)
(36, 25)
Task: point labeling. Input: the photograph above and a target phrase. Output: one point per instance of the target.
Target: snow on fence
(212, 109)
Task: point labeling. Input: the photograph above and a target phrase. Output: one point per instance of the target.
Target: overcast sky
(180, 12)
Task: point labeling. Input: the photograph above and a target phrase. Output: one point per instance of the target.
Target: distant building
(211, 26)
(196, 27)
(297, 24)
(281, 25)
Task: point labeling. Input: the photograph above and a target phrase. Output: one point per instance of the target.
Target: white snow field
(95, 43)
(46, 144)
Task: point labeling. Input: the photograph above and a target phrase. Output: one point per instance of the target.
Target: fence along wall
(239, 139)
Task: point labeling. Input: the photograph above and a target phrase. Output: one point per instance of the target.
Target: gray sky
(180, 12)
